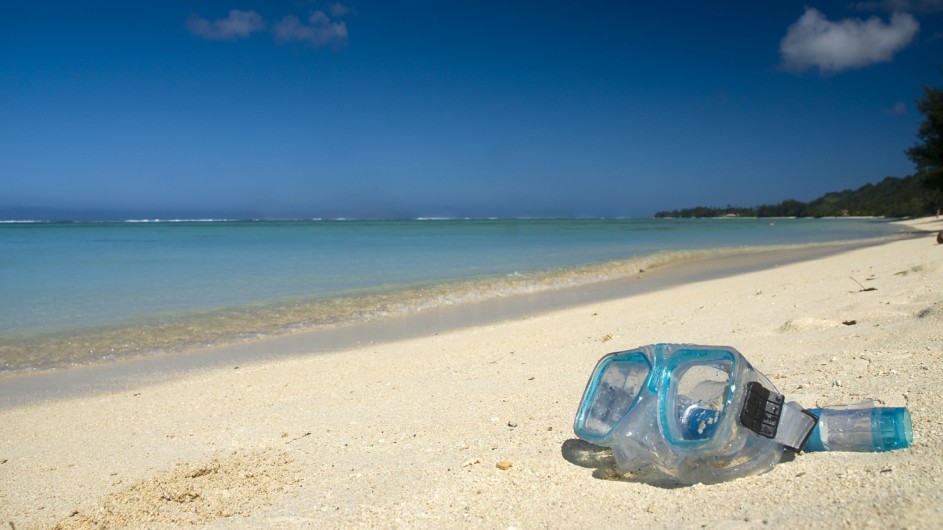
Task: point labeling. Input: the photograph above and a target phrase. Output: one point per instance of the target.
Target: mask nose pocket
(611, 393)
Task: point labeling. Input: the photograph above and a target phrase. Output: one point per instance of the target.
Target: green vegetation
(913, 196)
(892, 197)
(928, 154)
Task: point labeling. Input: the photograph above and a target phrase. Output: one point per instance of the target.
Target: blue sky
(243, 108)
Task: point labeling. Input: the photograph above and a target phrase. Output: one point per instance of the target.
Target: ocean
(92, 292)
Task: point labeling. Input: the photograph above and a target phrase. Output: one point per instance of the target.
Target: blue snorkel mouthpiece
(862, 428)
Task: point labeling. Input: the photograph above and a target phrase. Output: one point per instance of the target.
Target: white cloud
(239, 24)
(339, 10)
(815, 42)
(320, 29)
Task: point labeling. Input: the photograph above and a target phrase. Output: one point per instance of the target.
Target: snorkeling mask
(704, 414)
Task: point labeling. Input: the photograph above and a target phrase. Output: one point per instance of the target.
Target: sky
(364, 108)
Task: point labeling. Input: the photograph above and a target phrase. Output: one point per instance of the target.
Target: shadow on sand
(603, 464)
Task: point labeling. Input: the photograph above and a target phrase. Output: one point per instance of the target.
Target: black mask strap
(765, 413)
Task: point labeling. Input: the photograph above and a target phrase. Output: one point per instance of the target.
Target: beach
(472, 427)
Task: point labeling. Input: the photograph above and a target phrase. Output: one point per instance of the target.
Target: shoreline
(22, 387)
(61, 325)
(473, 426)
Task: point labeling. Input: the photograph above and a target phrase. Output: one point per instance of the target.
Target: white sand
(409, 434)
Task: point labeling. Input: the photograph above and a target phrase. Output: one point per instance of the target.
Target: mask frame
(697, 413)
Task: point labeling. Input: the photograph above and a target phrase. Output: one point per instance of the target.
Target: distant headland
(892, 197)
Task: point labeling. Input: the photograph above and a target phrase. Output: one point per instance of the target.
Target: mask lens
(700, 394)
(611, 394)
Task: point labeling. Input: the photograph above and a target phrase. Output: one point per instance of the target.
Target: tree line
(892, 197)
(913, 196)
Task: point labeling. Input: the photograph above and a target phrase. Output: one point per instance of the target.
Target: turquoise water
(76, 293)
